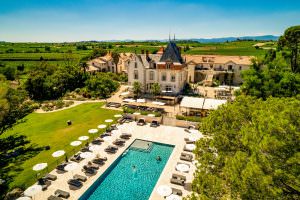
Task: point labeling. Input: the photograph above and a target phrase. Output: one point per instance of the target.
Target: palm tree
(137, 88)
(155, 89)
(116, 58)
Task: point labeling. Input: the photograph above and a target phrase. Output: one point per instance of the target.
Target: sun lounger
(141, 122)
(52, 197)
(97, 141)
(76, 158)
(61, 193)
(50, 177)
(111, 149)
(61, 167)
(79, 177)
(177, 181)
(176, 192)
(93, 166)
(125, 136)
(179, 177)
(186, 157)
(119, 142)
(89, 170)
(44, 183)
(154, 123)
(75, 182)
(188, 150)
(85, 149)
(98, 161)
(101, 158)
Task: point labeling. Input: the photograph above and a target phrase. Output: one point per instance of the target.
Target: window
(173, 78)
(151, 76)
(229, 67)
(168, 65)
(240, 68)
(164, 77)
(135, 65)
(136, 74)
(169, 88)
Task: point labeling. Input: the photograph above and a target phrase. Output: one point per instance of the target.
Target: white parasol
(151, 115)
(136, 113)
(58, 153)
(32, 190)
(140, 100)
(173, 197)
(87, 155)
(75, 143)
(190, 147)
(94, 147)
(92, 131)
(83, 138)
(102, 126)
(164, 190)
(194, 131)
(109, 120)
(71, 166)
(107, 138)
(39, 166)
(117, 116)
(182, 167)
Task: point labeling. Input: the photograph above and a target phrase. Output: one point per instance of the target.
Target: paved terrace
(163, 134)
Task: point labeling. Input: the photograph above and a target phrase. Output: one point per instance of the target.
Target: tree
(116, 58)
(291, 40)
(252, 151)
(137, 88)
(9, 72)
(155, 89)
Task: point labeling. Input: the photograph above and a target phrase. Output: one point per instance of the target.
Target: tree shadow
(14, 151)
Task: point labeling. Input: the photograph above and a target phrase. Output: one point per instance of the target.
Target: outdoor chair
(88, 170)
(177, 181)
(154, 123)
(76, 158)
(50, 177)
(186, 157)
(141, 122)
(179, 177)
(176, 192)
(79, 177)
(61, 193)
(61, 167)
(98, 161)
(96, 142)
(93, 166)
(44, 183)
(74, 182)
(52, 197)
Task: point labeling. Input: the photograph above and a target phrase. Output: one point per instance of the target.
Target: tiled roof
(218, 59)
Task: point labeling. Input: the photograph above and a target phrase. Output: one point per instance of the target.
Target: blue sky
(76, 20)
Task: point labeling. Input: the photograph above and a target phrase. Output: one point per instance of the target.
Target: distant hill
(230, 39)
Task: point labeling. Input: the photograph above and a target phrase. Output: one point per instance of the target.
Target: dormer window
(168, 65)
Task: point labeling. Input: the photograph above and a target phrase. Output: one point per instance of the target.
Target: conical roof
(171, 54)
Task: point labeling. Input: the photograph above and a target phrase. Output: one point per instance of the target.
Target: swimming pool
(132, 176)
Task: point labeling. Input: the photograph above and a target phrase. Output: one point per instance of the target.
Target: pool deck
(163, 134)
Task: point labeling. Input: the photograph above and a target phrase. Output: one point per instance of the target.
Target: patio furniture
(61, 193)
(186, 157)
(44, 183)
(125, 136)
(52, 197)
(93, 166)
(179, 177)
(176, 191)
(154, 123)
(50, 177)
(177, 181)
(89, 170)
(98, 161)
(85, 149)
(119, 142)
(141, 122)
(80, 177)
(61, 167)
(76, 158)
(75, 183)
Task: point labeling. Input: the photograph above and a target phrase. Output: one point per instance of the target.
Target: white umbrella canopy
(33, 190)
(164, 190)
(136, 113)
(94, 148)
(24, 198)
(118, 116)
(102, 126)
(182, 167)
(92, 131)
(75, 143)
(190, 147)
(83, 138)
(194, 138)
(194, 131)
(173, 197)
(58, 153)
(109, 120)
(151, 115)
(71, 166)
(141, 100)
(87, 155)
(107, 138)
(39, 166)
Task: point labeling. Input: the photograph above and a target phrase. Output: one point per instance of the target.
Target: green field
(51, 129)
(30, 54)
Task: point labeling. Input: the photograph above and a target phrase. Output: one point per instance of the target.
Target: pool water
(132, 176)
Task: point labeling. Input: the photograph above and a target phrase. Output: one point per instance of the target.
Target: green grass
(51, 129)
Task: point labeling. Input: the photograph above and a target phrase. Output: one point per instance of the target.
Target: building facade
(167, 68)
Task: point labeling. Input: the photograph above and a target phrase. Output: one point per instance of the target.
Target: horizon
(91, 20)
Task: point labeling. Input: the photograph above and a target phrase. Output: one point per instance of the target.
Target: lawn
(51, 129)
